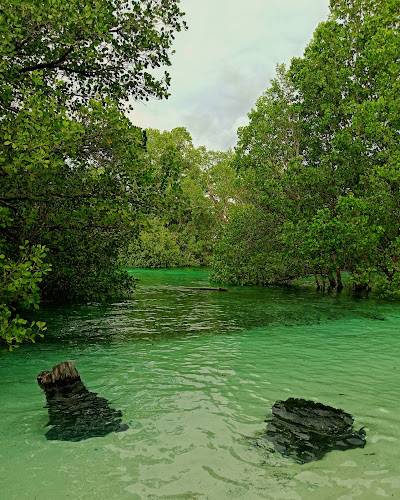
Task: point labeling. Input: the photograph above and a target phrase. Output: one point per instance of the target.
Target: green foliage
(320, 156)
(255, 249)
(73, 178)
(92, 49)
(195, 189)
(242, 254)
(347, 87)
(76, 192)
(20, 290)
(272, 138)
(155, 247)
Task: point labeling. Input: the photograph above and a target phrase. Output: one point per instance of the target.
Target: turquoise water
(195, 374)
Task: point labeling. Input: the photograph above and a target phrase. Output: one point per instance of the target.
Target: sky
(224, 62)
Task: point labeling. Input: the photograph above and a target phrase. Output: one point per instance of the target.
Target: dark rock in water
(75, 413)
(305, 430)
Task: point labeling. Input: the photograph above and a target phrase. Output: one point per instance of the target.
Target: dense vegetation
(312, 188)
(73, 183)
(196, 191)
(320, 160)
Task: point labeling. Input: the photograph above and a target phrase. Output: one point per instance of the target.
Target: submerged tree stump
(75, 413)
(305, 430)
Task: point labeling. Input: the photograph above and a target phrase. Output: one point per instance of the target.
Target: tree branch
(50, 65)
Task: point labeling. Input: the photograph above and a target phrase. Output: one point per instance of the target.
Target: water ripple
(195, 375)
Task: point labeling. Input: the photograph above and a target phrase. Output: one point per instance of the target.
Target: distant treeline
(197, 190)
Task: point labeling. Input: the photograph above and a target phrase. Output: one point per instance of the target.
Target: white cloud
(224, 62)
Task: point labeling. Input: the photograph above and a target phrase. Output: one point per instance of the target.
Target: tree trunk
(361, 287)
(331, 278)
(316, 280)
(339, 279)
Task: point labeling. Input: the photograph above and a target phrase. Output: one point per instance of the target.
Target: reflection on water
(76, 414)
(196, 372)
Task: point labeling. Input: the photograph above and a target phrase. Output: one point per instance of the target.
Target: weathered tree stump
(60, 375)
(305, 430)
(75, 413)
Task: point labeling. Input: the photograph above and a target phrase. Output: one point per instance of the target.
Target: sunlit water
(195, 373)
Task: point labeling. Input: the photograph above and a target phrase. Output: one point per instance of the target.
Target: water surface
(195, 374)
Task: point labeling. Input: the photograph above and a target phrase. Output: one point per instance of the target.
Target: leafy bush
(20, 290)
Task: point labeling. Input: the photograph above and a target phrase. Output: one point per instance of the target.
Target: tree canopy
(87, 49)
(320, 157)
(196, 189)
(312, 188)
(73, 183)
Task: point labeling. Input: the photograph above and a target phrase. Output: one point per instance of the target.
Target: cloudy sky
(224, 62)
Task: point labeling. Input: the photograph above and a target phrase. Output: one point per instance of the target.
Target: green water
(195, 374)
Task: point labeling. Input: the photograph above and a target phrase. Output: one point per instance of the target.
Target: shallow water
(195, 373)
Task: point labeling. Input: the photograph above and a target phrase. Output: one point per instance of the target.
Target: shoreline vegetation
(312, 188)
